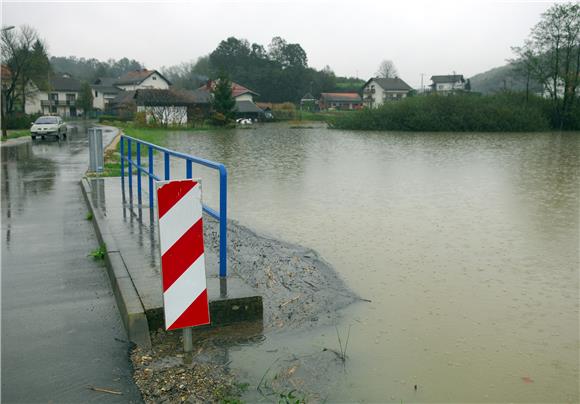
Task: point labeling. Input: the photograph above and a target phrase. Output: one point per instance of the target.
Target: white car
(48, 126)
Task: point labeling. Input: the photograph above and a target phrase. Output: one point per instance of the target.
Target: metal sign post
(96, 156)
(185, 300)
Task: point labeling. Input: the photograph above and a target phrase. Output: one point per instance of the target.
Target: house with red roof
(340, 101)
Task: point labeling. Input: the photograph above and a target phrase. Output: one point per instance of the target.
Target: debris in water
(527, 380)
(104, 390)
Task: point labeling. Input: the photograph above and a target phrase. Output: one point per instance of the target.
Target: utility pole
(422, 88)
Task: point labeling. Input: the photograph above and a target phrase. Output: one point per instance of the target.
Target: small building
(142, 79)
(60, 98)
(448, 84)
(343, 101)
(308, 102)
(104, 91)
(164, 107)
(378, 90)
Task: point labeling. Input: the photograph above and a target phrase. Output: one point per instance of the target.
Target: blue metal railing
(127, 157)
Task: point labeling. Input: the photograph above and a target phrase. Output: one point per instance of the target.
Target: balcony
(56, 103)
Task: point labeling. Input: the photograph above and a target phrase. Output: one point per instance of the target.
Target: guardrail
(127, 157)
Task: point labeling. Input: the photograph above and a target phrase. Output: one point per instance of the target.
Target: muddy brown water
(465, 244)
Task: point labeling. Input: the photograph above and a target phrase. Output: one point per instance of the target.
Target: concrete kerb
(128, 301)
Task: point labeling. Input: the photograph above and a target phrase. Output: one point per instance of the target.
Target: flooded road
(466, 246)
(61, 330)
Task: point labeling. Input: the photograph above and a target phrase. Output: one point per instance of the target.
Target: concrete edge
(128, 301)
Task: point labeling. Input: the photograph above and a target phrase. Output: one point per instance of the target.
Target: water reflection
(24, 176)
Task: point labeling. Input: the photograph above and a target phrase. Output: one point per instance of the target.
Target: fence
(126, 145)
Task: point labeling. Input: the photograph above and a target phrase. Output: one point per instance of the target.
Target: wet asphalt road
(61, 330)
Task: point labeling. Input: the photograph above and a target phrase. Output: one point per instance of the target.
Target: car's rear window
(45, 120)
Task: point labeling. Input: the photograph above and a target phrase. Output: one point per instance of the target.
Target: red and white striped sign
(182, 254)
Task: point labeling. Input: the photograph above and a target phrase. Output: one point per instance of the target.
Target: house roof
(105, 85)
(237, 89)
(341, 97)
(169, 97)
(125, 98)
(450, 78)
(64, 83)
(106, 89)
(246, 106)
(307, 97)
(390, 84)
(105, 81)
(158, 97)
(137, 77)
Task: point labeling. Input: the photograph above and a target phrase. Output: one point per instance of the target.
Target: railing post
(150, 177)
(130, 168)
(166, 159)
(223, 221)
(139, 173)
(122, 146)
(188, 172)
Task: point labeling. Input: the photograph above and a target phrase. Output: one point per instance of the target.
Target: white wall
(154, 81)
(380, 95)
(245, 97)
(458, 85)
(34, 103)
(101, 99)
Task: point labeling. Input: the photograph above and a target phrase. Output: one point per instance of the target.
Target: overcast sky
(352, 37)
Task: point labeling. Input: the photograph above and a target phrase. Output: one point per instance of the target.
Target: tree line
(278, 72)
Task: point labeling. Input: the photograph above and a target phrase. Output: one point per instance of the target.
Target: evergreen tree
(223, 103)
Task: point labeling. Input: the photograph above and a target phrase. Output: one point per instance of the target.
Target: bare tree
(387, 69)
(17, 56)
(167, 115)
(551, 55)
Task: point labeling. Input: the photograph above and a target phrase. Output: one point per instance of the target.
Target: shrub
(19, 120)
(507, 112)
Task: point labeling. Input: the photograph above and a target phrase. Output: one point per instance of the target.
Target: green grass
(16, 133)
(156, 136)
(99, 253)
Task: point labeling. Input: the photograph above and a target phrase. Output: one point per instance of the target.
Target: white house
(142, 79)
(448, 83)
(378, 90)
(104, 91)
(548, 91)
(60, 99)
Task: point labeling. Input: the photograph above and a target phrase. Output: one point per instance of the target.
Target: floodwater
(466, 245)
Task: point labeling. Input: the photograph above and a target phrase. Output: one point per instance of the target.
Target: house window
(70, 97)
(96, 93)
(154, 78)
(53, 96)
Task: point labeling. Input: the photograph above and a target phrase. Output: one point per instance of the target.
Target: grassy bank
(16, 133)
(459, 113)
(156, 136)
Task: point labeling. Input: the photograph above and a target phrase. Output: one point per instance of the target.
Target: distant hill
(501, 78)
